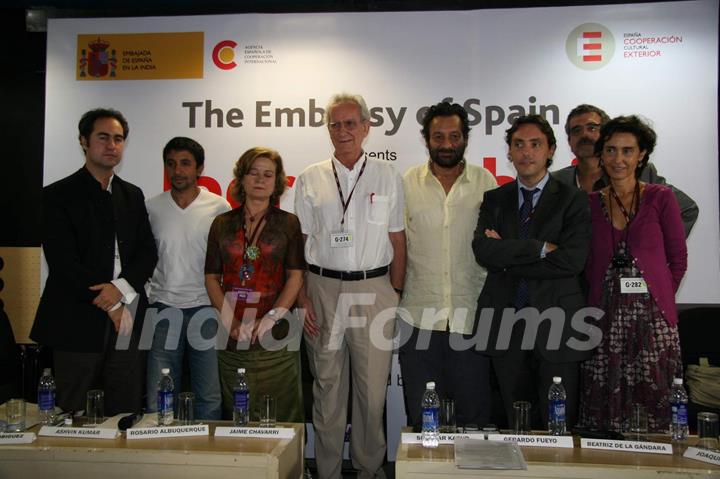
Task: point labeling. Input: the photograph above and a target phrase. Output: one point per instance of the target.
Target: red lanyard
(342, 197)
(628, 219)
(625, 213)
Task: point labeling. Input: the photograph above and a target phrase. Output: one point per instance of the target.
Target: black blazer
(80, 222)
(562, 217)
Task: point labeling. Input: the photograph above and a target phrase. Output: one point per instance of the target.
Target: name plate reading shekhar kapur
(257, 432)
(168, 431)
(627, 446)
(443, 438)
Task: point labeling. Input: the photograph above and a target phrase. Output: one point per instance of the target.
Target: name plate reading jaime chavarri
(261, 432)
(443, 438)
(534, 440)
(17, 437)
(79, 432)
(167, 431)
(627, 446)
(704, 455)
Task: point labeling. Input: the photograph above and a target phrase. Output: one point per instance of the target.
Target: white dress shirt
(375, 209)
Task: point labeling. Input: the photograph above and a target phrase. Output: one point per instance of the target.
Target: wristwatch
(271, 314)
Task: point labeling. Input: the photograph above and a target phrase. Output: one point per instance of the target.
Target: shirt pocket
(379, 210)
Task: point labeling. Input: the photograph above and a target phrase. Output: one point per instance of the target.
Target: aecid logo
(590, 46)
(223, 55)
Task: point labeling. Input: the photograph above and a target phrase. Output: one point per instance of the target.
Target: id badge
(633, 286)
(246, 295)
(341, 240)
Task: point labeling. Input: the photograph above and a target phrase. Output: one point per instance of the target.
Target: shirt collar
(427, 172)
(339, 165)
(540, 185)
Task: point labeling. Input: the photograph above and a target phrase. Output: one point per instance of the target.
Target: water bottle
(241, 399)
(165, 393)
(678, 407)
(556, 408)
(430, 416)
(46, 397)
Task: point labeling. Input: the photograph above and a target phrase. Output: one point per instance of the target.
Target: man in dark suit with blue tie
(533, 236)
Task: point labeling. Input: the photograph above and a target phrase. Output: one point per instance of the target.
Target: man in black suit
(100, 252)
(533, 236)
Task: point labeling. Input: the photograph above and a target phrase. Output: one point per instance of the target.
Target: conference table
(414, 461)
(193, 457)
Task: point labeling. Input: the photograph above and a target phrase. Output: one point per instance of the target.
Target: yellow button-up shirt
(443, 279)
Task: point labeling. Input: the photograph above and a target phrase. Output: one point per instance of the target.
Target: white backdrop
(503, 61)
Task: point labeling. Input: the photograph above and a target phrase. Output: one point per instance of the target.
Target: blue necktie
(523, 293)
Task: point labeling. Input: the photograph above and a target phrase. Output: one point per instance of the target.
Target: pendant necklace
(252, 251)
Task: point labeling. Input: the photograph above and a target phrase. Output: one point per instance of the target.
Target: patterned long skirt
(635, 363)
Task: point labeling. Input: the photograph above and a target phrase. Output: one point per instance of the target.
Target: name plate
(565, 442)
(79, 432)
(627, 446)
(259, 432)
(443, 438)
(167, 431)
(704, 455)
(17, 437)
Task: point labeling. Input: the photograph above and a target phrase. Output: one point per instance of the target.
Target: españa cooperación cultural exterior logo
(590, 46)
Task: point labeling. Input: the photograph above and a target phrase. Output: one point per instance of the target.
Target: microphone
(129, 421)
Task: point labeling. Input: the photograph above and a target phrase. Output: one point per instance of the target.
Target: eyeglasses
(590, 127)
(350, 125)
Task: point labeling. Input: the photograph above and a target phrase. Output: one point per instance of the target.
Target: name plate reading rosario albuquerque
(627, 446)
(565, 442)
(443, 438)
(261, 432)
(17, 437)
(168, 431)
(704, 455)
(79, 432)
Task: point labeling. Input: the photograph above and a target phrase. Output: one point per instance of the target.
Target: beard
(447, 157)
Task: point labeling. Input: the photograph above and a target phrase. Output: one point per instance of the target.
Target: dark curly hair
(645, 136)
(243, 165)
(444, 108)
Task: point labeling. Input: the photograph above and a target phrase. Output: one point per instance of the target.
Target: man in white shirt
(351, 213)
(180, 220)
(442, 201)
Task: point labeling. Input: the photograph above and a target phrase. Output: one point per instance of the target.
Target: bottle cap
(430, 385)
(557, 379)
(241, 370)
(678, 381)
(165, 370)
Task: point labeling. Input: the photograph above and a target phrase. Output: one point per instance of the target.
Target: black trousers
(527, 376)
(120, 373)
(459, 375)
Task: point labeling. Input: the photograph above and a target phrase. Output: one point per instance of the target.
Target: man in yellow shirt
(443, 280)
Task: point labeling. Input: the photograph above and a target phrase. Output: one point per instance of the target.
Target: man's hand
(122, 320)
(108, 295)
(492, 234)
(310, 325)
(550, 247)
